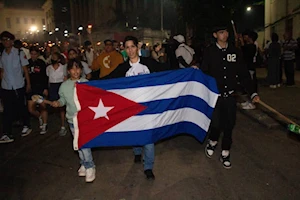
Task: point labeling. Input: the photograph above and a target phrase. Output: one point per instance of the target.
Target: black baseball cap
(219, 28)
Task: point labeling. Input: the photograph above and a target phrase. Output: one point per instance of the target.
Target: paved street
(265, 165)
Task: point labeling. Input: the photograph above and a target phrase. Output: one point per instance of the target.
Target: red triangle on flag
(89, 97)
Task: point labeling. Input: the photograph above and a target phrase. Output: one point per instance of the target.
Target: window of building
(43, 21)
(25, 20)
(8, 24)
(18, 20)
(32, 20)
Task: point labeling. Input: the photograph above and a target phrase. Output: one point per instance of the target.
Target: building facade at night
(21, 22)
(117, 18)
(57, 15)
(282, 16)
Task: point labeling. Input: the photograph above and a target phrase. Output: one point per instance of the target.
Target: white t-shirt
(186, 52)
(56, 76)
(86, 70)
(137, 69)
(89, 57)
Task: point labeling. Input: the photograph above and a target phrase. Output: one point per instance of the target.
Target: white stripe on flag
(151, 93)
(147, 122)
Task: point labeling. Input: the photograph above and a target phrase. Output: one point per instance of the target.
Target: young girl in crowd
(66, 93)
(57, 74)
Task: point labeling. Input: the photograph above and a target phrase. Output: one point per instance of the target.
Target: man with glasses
(108, 60)
(13, 69)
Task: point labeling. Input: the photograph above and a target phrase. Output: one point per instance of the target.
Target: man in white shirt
(89, 53)
(13, 70)
(184, 53)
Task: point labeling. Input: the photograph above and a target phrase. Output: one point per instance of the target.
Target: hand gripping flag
(139, 110)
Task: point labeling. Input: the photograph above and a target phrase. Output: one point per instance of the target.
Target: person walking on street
(274, 52)
(39, 83)
(13, 69)
(66, 98)
(289, 46)
(224, 62)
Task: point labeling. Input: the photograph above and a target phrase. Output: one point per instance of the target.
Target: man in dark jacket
(225, 63)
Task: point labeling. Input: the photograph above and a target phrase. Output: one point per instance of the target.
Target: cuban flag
(139, 110)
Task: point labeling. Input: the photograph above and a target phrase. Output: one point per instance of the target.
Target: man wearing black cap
(224, 62)
(13, 65)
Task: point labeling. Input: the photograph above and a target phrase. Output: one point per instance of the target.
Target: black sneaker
(209, 149)
(149, 174)
(226, 161)
(137, 158)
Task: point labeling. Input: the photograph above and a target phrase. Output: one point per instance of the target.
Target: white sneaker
(247, 106)
(44, 129)
(90, 175)
(6, 139)
(81, 171)
(41, 122)
(273, 86)
(62, 131)
(26, 131)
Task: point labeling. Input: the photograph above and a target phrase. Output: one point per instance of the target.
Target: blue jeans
(148, 155)
(85, 155)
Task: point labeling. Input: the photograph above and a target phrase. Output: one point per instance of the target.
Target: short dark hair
(76, 62)
(34, 48)
(274, 37)
(58, 55)
(253, 35)
(108, 40)
(18, 43)
(56, 46)
(72, 49)
(87, 43)
(131, 38)
(7, 35)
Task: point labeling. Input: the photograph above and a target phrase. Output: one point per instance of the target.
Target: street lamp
(80, 28)
(90, 26)
(50, 33)
(66, 32)
(249, 9)
(33, 28)
(56, 29)
(134, 28)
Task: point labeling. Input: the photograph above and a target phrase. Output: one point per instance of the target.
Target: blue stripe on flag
(155, 79)
(141, 138)
(160, 106)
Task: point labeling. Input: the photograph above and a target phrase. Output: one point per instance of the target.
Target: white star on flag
(101, 110)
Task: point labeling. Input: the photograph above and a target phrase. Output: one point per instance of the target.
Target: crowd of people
(53, 73)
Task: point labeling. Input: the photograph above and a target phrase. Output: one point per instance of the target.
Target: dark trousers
(223, 120)
(289, 72)
(254, 80)
(14, 104)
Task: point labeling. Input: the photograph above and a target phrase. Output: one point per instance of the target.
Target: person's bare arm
(26, 74)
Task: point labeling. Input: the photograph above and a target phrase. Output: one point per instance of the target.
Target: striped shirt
(289, 53)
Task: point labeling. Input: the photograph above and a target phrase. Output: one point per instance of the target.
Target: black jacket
(121, 70)
(226, 66)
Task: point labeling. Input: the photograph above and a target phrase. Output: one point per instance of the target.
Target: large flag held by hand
(144, 109)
